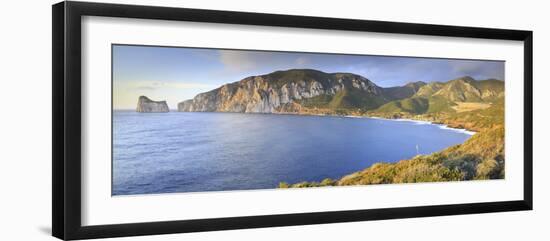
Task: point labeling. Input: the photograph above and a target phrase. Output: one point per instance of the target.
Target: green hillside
(415, 105)
(480, 157)
(443, 98)
(402, 92)
(416, 98)
(344, 101)
(462, 89)
(461, 103)
(477, 120)
(429, 89)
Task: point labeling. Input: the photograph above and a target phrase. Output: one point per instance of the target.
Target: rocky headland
(464, 103)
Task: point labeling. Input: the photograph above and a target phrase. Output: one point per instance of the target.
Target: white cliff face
(264, 94)
(149, 106)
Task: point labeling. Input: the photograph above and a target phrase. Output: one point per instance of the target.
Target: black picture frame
(66, 128)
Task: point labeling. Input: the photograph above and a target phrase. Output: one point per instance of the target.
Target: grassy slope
(415, 105)
(402, 92)
(410, 107)
(438, 97)
(396, 102)
(480, 157)
(344, 102)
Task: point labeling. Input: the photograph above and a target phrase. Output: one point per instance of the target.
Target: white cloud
(302, 61)
(239, 60)
(154, 85)
(480, 69)
(243, 61)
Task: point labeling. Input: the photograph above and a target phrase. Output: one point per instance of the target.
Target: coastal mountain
(308, 91)
(147, 105)
(291, 91)
(458, 95)
(467, 89)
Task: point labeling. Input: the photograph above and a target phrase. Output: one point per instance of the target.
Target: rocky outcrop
(307, 91)
(462, 89)
(466, 89)
(280, 91)
(147, 105)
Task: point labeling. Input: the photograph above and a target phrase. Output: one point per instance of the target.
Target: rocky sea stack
(147, 105)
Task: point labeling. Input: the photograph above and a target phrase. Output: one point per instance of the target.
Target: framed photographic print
(170, 120)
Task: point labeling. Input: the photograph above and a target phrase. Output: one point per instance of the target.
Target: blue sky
(176, 74)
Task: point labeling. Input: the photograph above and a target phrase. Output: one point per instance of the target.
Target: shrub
(283, 185)
(328, 182)
(489, 169)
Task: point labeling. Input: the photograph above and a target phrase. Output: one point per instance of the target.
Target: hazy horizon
(176, 74)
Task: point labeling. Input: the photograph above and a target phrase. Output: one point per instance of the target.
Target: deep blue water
(190, 152)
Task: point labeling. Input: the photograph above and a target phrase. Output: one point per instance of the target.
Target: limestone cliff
(289, 91)
(147, 105)
(307, 91)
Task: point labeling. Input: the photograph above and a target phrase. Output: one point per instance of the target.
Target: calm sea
(193, 152)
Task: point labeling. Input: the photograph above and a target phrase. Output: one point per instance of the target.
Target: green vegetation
(437, 101)
(324, 183)
(477, 120)
(344, 101)
(402, 92)
(462, 89)
(428, 168)
(493, 85)
(439, 104)
(410, 107)
(416, 98)
(280, 78)
(480, 157)
(459, 103)
(415, 105)
(429, 89)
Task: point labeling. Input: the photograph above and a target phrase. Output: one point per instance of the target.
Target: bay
(195, 152)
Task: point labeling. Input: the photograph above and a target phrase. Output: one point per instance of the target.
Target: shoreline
(424, 122)
(419, 122)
